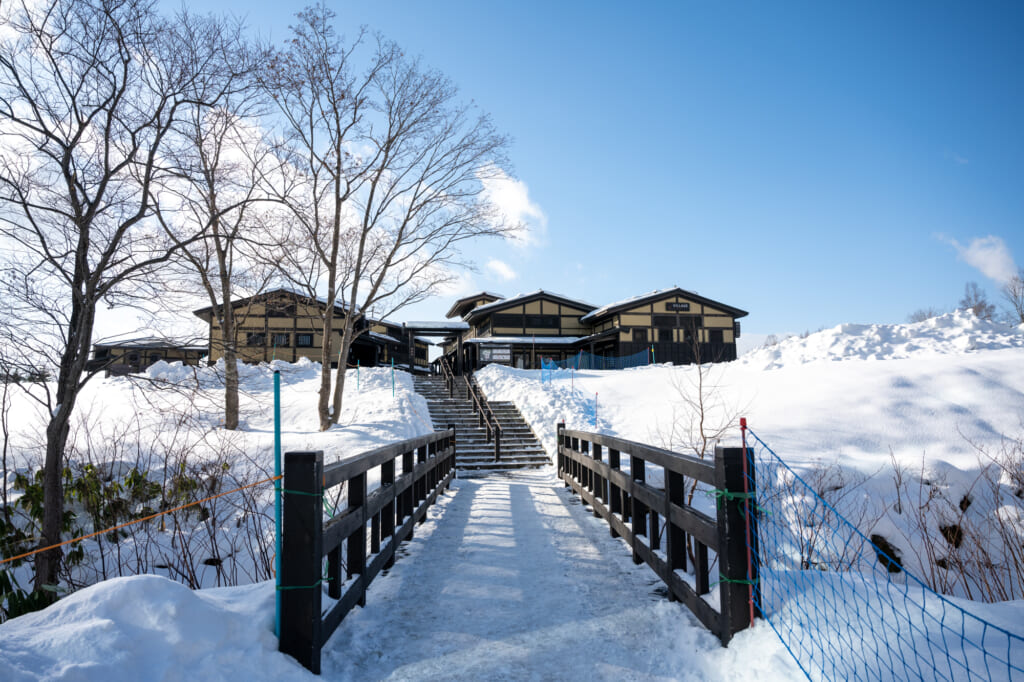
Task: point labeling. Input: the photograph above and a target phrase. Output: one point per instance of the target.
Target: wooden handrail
(449, 376)
(647, 515)
(411, 473)
(487, 416)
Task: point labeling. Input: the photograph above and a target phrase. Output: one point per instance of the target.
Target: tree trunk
(323, 400)
(339, 382)
(229, 337)
(72, 365)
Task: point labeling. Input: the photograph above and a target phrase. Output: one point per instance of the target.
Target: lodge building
(671, 325)
(286, 325)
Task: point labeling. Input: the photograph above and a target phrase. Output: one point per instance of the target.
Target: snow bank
(950, 334)
(146, 627)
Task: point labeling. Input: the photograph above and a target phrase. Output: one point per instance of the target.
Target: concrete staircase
(520, 448)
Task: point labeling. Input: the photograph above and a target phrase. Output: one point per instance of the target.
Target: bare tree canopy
(976, 301)
(392, 165)
(1013, 294)
(89, 95)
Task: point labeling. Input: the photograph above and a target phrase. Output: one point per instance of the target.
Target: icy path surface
(512, 578)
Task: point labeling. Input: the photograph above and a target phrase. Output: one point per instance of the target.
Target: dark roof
(207, 313)
(612, 308)
(149, 343)
(526, 298)
(457, 308)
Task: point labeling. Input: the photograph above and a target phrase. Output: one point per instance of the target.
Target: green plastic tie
(734, 581)
(301, 492)
(315, 585)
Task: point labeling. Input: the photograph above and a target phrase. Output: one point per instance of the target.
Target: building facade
(671, 325)
(285, 325)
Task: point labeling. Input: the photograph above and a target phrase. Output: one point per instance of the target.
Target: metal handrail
(486, 416)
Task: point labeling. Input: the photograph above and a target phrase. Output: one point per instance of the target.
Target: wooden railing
(391, 511)
(643, 515)
(449, 377)
(485, 415)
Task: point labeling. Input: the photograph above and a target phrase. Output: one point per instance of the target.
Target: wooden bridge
(514, 569)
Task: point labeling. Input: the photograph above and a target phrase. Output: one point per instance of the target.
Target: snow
(544, 340)
(511, 577)
(444, 324)
(594, 314)
(146, 627)
(512, 299)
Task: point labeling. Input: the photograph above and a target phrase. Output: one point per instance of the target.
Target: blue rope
(845, 609)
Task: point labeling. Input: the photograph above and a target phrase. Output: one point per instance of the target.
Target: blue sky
(812, 163)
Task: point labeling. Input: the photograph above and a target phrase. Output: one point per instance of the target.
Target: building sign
(680, 307)
(496, 354)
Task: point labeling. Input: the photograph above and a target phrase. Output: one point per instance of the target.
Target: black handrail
(645, 516)
(427, 467)
(449, 376)
(486, 416)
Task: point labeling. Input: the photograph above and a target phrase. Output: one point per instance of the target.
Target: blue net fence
(585, 360)
(845, 608)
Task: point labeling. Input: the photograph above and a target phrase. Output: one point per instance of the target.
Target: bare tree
(215, 183)
(1013, 294)
(394, 166)
(976, 301)
(89, 92)
(922, 314)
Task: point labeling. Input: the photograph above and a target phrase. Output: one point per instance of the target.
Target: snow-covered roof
(538, 340)
(150, 342)
(286, 290)
(628, 302)
(539, 292)
(383, 337)
(462, 302)
(452, 326)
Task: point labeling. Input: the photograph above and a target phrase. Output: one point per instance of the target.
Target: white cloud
(512, 199)
(502, 270)
(989, 255)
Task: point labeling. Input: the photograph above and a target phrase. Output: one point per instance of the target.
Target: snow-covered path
(511, 578)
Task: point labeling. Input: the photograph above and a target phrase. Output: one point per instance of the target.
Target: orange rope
(144, 518)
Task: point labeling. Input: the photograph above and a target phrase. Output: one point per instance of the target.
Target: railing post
(387, 514)
(454, 462)
(675, 551)
(615, 493)
(302, 549)
(421, 458)
(408, 495)
(639, 512)
(732, 531)
(357, 541)
(497, 441)
(559, 438)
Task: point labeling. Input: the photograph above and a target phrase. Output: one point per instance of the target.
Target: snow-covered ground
(935, 399)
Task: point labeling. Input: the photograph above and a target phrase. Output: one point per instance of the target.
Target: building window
(667, 321)
(664, 336)
(281, 340)
(532, 321)
(715, 336)
(304, 340)
(542, 321)
(255, 339)
(640, 336)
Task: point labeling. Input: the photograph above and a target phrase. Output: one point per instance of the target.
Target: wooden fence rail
(656, 522)
(360, 540)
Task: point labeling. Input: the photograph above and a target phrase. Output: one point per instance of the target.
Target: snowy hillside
(890, 411)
